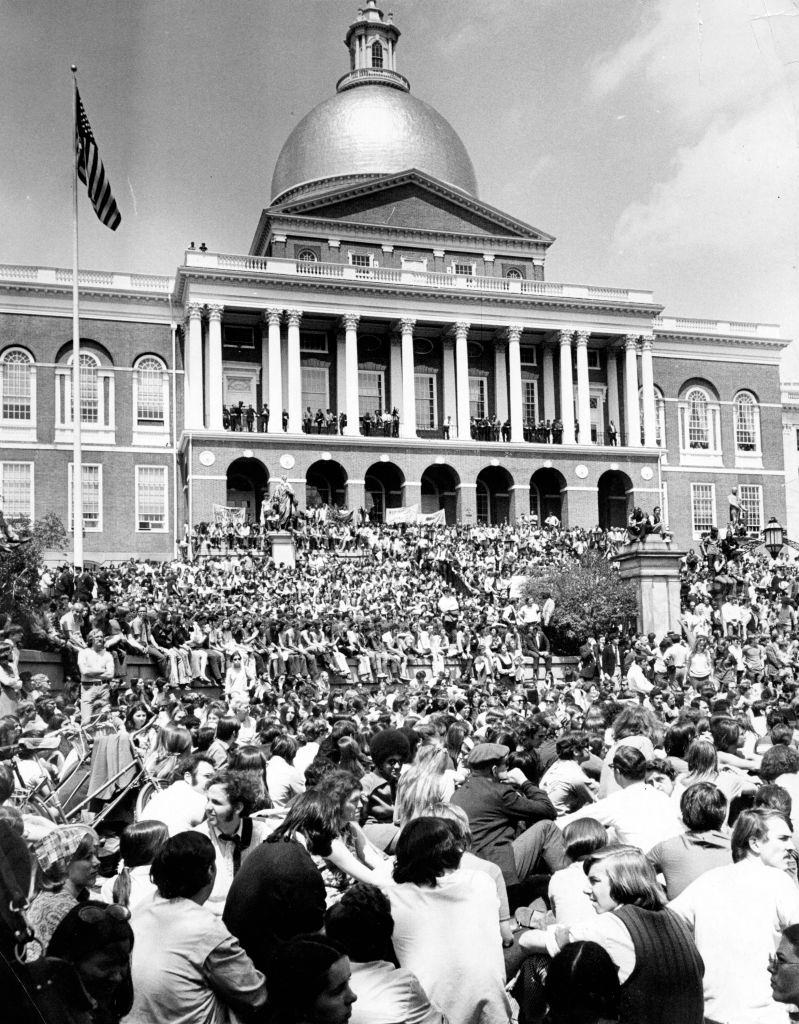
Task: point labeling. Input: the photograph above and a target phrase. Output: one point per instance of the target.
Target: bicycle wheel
(33, 805)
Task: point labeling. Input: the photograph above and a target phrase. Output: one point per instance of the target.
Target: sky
(658, 140)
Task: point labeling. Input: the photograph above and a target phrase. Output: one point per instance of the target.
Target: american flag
(91, 171)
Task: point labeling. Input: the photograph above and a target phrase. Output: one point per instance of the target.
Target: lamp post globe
(773, 537)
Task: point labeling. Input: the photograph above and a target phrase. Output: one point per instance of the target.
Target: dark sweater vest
(666, 984)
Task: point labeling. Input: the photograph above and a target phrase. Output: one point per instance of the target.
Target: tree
(21, 567)
(590, 600)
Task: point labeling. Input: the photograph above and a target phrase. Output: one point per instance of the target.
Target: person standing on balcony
(447, 427)
(612, 434)
(557, 432)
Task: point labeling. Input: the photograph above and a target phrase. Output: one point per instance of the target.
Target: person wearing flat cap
(96, 672)
(498, 802)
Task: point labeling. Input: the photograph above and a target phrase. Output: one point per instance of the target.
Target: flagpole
(77, 472)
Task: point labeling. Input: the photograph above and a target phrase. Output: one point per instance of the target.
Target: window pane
(751, 498)
(745, 424)
(151, 497)
(529, 400)
(16, 386)
(477, 397)
(314, 388)
(425, 401)
(17, 489)
(150, 404)
(702, 507)
(697, 420)
(92, 498)
(89, 391)
(370, 391)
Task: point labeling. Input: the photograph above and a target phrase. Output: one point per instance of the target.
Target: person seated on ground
(498, 801)
(564, 782)
(279, 892)
(138, 847)
(568, 899)
(309, 983)
(582, 986)
(283, 780)
(659, 966)
(182, 804)
(704, 845)
(390, 749)
(361, 925)
(186, 966)
(782, 967)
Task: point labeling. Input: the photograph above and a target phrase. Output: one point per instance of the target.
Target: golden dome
(372, 129)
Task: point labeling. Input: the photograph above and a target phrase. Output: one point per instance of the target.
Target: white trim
(695, 532)
(31, 465)
(427, 378)
(86, 465)
(724, 471)
(19, 430)
(164, 470)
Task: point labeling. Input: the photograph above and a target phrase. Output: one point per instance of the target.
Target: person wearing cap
(497, 802)
(96, 672)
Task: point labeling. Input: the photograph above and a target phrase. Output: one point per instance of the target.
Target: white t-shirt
(179, 807)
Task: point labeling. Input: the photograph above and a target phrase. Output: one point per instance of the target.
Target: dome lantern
(372, 42)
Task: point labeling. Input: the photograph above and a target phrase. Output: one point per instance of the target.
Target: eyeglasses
(94, 915)
(775, 961)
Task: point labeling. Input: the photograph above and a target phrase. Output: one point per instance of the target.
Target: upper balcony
(373, 76)
(270, 266)
(744, 328)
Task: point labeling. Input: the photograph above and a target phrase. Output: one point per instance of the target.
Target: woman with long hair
(138, 847)
(703, 766)
(659, 966)
(427, 780)
(173, 742)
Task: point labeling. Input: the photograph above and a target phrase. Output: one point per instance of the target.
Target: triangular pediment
(410, 200)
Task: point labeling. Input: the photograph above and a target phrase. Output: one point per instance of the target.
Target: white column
(293, 377)
(549, 383)
(462, 379)
(206, 375)
(350, 321)
(501, 379)
(648, 392)
(583, 389)
(566, 386)
(214, 420)
(408, 411)
(515, 381)
(194, 366)
(633, 416)
(395, 371)
(613, 392)
(449, 390)
(275, 374)
(341, 378)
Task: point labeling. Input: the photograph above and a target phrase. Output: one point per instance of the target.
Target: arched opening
(493, 495)
(439, 490)
(546, 494)
(247, 481)
(613, 499)
(384, 483)
(326, 484)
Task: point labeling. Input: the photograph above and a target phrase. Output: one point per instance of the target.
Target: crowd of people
(369, 798)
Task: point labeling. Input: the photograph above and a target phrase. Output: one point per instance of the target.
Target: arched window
(89, 388)
(377, 55)
(307, 256)
(747, 422)
(513, 274)
(698, 419)
(17, 386)
(96, 394)
(150, 392)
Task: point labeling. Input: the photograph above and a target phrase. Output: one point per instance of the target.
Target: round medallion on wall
(287, 461)
(248, 453)
(440, 460)
(581, 471)
(422, 346)
(207, 458)
(495, 462)
(326, 456)
(548, 464)
(384, 458)
(614, 467)
(646, 473)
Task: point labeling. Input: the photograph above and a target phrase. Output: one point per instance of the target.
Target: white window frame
(750, 458)
(532, 383)
(306, 256)
(481, 399)
(453, 268)
(31, 504)
(751, 496)
(150, 431)
(380, 377)
(323, 371)
(428, 381)
(593, 359)
(104, 430)
(706, 456)
(87, 529)
(417, 264)
(528, 355)
(158, 529)
(660, 416)
(15, 429)
(313, 343)
(699, 530)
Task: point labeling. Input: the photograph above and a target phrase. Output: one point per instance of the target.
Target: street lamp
(773, 537)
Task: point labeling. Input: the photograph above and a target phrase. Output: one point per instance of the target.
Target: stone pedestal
(283, 550)
(654, 567)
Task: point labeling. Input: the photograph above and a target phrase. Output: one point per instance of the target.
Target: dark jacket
(495, 811)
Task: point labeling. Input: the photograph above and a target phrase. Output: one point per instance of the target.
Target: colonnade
(204, 398)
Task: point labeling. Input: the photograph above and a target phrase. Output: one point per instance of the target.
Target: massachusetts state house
(408, 346)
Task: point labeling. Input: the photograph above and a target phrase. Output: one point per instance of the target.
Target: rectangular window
(751, 498)
(530, 401)
(315, 394)
(16, 387)
(477, 397)
(464, 269)
(797, 439)
(16, 489)
(426, 416)
(703, 507)
(238, 336)
(150, 396)
(92, 497)
(529, 355)
(315, 341)
(593, 358)
(151, 498)
(481, 500)
(89, 395)
(370, 391)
